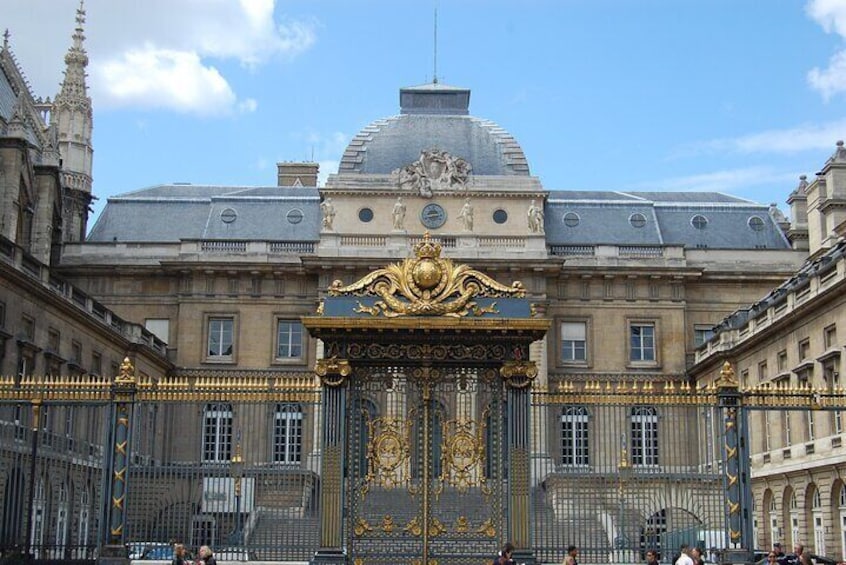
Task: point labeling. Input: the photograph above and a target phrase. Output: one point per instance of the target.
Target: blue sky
(738, 96)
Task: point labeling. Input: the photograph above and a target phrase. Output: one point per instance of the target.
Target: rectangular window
(644, 434)
(573, 341)
(574, 437)
(782, 361)
(762, 371)
(767, 439)
(69, 421)
(288, 434)
(220, 337)
(217, 433)
(804, 349)
(701, 334)
(53, 340)
(26, 362)
(830, 336)
(28, 328)
(159, 327)
(96, 363)
(2, 314)
(76, 352)
(832, 378)
(642, 342)
(289, 339)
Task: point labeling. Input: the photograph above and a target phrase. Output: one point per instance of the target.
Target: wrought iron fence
(623, 469)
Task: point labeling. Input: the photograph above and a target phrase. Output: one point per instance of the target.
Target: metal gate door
(425, 478)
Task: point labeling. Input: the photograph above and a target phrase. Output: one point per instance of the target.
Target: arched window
(288, 433)
(644, 436)
(217, 433)
(574, 436)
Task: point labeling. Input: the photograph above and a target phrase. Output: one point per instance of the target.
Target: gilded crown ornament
(427, 285)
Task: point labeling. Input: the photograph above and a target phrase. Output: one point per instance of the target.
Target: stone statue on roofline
(434, 170)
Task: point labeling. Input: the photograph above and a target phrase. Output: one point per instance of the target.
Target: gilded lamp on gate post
(236, 472)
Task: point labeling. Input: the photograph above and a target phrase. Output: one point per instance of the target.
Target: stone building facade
(193, 280)
(791, 340)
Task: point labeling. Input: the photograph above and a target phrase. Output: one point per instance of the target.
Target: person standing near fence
(206, 557)
(504, 557)
(179, 556)
(570, 558)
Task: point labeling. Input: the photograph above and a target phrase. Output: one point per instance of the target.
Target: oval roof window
(571, 219)
(228, 216)
(699, 222)
(295, 216)
(756, 223)
(637, 220)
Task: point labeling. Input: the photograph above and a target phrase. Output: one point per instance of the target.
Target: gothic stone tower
(71, 117)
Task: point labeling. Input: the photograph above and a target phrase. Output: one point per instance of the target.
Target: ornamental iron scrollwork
(463, 455)
(427, 285)
(388, 452)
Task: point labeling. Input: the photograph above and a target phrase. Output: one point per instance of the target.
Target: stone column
(334, 374)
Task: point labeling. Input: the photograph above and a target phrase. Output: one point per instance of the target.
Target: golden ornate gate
(426, 376)
(421, 476)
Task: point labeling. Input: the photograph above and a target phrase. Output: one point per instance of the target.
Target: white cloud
(719, 181)
(184, 41)
(831, 80)
(782, 141)
(161, 78)
(831, 15)
(247, 105)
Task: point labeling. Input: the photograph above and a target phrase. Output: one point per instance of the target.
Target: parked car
(234, 554)
(162, 553)
(820, 560)
(136, 549)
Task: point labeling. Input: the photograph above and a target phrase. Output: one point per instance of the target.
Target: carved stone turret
(72, 118)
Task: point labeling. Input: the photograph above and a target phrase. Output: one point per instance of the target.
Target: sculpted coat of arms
(434, 170)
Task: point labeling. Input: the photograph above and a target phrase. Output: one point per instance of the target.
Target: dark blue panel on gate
(364, 307)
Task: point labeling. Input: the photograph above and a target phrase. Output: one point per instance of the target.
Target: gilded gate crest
(427, 285)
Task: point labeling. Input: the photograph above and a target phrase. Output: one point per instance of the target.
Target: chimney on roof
(294, 175)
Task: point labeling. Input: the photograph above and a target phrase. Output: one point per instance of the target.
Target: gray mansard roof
(433, 116)
(690, 219)
(170, 213)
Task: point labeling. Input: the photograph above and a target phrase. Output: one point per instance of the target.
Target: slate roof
(170, 213)
(665, 218)
(434, 116)
(15, 96)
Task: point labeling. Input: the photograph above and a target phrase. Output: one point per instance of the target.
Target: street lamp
(236, 471)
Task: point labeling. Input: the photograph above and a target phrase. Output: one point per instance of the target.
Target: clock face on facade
(433, 216)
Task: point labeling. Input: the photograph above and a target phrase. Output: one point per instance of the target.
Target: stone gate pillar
(518, 377)
(333, 375)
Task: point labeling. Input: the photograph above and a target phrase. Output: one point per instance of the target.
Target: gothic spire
(72, 119)
(76, 60)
